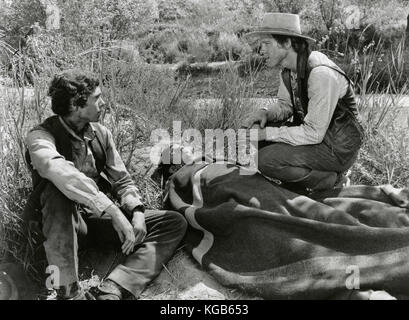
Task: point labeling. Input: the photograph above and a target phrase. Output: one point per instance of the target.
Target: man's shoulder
(323, 73)
(323, 67)
(317, 58)
(42, 130)
(38, 133)
(46, 124)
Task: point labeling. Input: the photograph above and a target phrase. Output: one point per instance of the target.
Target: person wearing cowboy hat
(312, 134)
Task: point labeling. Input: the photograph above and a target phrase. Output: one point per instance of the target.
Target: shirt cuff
(271, 133)
(130, 202)
(100, 203)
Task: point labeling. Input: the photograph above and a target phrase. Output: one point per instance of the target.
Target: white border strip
(207, 241)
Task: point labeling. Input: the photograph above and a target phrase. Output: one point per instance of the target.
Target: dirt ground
(181, 279)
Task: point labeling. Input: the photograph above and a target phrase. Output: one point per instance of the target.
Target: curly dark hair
(71, 88)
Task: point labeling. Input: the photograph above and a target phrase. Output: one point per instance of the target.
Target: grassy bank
(141, 98)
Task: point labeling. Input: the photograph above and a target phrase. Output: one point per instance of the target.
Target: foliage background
(135, 46)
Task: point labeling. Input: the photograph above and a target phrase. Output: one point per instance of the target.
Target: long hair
(302, 48)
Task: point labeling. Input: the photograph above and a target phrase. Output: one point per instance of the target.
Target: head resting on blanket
(168, 163)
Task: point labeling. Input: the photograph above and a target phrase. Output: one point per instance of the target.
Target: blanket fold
(250, 233)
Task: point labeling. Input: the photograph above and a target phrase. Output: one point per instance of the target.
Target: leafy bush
(196, 45)
(177, 9)
(154, 47)
(17, 19)
(289, 5)
(111, 19)
(229, 47)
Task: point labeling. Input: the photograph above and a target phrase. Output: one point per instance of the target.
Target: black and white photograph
(204, 155)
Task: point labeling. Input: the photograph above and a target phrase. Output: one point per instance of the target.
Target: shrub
(157, 45)
(289, 5)
(229, 47)
(17, 19)
(111, 19)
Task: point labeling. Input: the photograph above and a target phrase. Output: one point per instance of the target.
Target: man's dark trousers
(64, 227)
(308, 166)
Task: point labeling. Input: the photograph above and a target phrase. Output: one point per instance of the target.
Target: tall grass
(17, 105)
(383, 159)
(141, 98)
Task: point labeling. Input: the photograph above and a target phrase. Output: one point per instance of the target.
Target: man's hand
(139, 226)
(123, 227)
(261, 132)
(259, 117)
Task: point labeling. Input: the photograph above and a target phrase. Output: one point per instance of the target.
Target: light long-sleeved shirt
(325, 88)
(77, 180)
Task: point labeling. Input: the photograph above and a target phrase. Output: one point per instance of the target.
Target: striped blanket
(250, 233)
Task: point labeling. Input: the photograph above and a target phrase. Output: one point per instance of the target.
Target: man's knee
(176, 221)
(56, 207)
(51, 194)
(173, 224)
(270, 160)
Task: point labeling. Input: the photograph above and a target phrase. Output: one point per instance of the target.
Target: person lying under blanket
(254, 235)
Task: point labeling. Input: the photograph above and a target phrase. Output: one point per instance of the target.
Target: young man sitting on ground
(70, 154)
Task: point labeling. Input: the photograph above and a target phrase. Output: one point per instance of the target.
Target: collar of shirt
(89, 131)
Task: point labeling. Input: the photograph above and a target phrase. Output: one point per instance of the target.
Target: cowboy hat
(277, 23)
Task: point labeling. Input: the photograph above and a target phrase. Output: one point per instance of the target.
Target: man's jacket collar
(89, 131)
